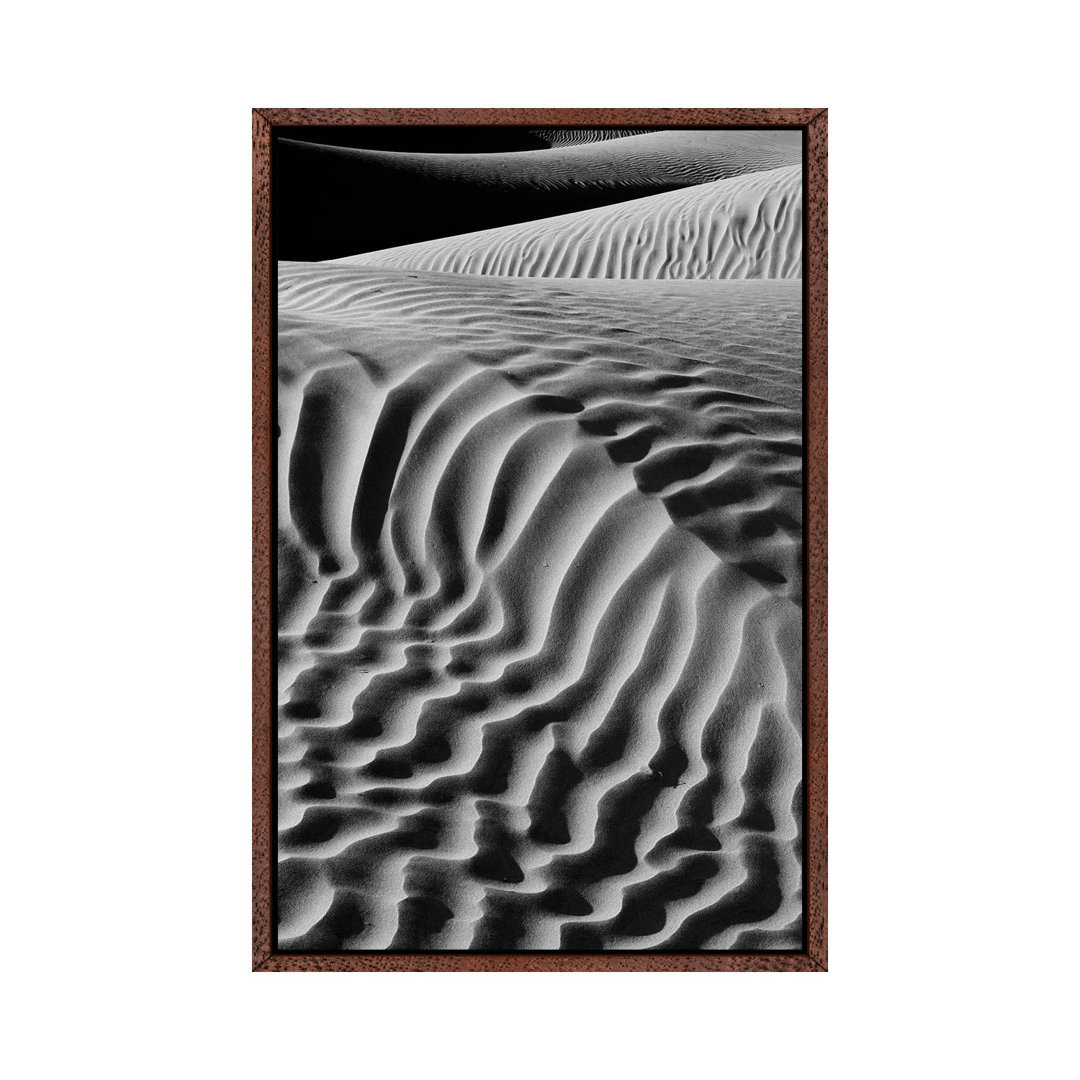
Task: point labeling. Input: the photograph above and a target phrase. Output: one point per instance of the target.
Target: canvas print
(540, 561)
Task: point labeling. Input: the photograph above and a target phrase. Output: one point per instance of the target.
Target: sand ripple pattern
(539, 612)
(746, 227)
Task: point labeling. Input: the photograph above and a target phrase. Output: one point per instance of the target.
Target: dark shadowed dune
(420, 138)
(331, 201)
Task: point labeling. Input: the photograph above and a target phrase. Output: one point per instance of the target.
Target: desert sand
(540, 577)
(746, 227)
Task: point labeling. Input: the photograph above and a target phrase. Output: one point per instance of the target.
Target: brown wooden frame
(814, 124)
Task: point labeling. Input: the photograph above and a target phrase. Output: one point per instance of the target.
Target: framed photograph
(539, 539)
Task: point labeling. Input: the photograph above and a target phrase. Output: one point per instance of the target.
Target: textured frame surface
(814, 124)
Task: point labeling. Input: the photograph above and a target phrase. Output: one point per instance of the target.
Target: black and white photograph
(540, 585)
(500, 494)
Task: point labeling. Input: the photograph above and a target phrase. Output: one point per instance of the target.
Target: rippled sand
(744, 227)
(539, 586)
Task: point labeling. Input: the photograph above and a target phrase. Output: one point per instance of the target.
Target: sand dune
(659, 158)
(746, 227)
(540, 544)
(539, 586)
(333, 201)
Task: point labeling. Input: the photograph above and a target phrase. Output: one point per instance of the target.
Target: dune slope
(539, 608)
(746, 227)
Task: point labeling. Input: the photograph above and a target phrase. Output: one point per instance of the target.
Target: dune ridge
(539, 597)
(749, 226)
(672, 158)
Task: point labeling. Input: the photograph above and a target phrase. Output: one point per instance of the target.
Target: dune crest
(669, 158)
(746, 227)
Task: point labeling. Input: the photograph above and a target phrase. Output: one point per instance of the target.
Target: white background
(126, 398)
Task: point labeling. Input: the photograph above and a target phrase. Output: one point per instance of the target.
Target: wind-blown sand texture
(540, 583)
(746, 227)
